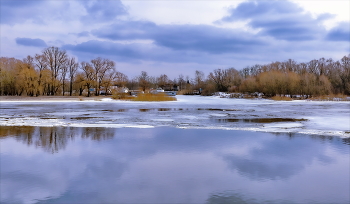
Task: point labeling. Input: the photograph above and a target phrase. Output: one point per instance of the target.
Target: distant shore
(52, 98)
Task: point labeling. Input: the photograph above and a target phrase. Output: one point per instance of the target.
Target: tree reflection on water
(53, 139)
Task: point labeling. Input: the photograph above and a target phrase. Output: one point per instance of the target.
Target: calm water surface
(170, 165)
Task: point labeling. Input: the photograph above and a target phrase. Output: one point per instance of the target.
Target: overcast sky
(179, 36)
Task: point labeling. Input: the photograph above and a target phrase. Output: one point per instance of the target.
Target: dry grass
(281, 98)
(331, 97)
(122, 96)
(153, 97)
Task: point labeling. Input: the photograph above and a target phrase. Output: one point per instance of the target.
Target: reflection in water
(53, 139)
(122, 110)
(217, 109)
(164, 109)
(259, 120)
(232, 198)
(144, 110)
(169, 165)
(238, 198)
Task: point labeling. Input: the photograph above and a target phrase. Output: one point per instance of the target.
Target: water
(318, 118)
(170, 165)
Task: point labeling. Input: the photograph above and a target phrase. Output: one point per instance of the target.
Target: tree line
(54, 72)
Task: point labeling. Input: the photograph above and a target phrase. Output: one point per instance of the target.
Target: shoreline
(51, 98)
(109, 98)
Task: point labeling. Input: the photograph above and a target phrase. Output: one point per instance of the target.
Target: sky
(176, 37)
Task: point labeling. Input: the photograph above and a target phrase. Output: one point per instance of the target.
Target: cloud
(103, 10)
(205, 38)
(83, 34)
(13, 11)
(201, 38)
(89, 11)
(340, 32)
(31, 42)
(127, 30)
(279, 19)
(96, 47)
(271, 163)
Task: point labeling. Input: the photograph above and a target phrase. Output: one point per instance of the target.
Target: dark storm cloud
(31, 42)
(202, 38)
(340, 32)
(103, 10)
(279, 19)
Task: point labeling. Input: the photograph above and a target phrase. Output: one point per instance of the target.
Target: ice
(284, 125)
(162, 119)
(299, 116)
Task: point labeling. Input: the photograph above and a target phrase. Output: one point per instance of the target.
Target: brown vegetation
(122, 96)
(281, 98)
(153, 97)
(53, 73)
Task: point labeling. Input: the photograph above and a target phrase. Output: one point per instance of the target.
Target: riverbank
(53, 98)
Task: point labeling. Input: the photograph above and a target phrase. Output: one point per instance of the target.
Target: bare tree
(144, 80)
(100, 67)
(219, 76)
(233, 79)
(56, 60)
(64, 71)
(72, 69)
(89, 76)
(41, 64)
(120, 79)
(198, 79)
(162, 80)
(181, 81)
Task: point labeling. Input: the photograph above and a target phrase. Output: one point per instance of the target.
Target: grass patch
(331, 97)
(281, 98)
(122, 96)
(153, 97)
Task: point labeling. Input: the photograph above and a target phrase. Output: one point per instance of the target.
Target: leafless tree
(72, 65)
(162, 80)
(219, 76)
(144, 81)
(56, 60)
(41, 64)
(89, 76)
(181, 81)
(120, 79)
(100, 67)
(198, 79)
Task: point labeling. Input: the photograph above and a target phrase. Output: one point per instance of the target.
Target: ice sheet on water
(324, 118)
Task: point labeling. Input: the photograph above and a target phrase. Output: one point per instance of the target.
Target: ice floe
(308, 117)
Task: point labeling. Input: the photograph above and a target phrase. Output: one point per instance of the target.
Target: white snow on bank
(320, 117)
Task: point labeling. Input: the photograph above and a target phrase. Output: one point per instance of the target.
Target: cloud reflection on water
(158, 164)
